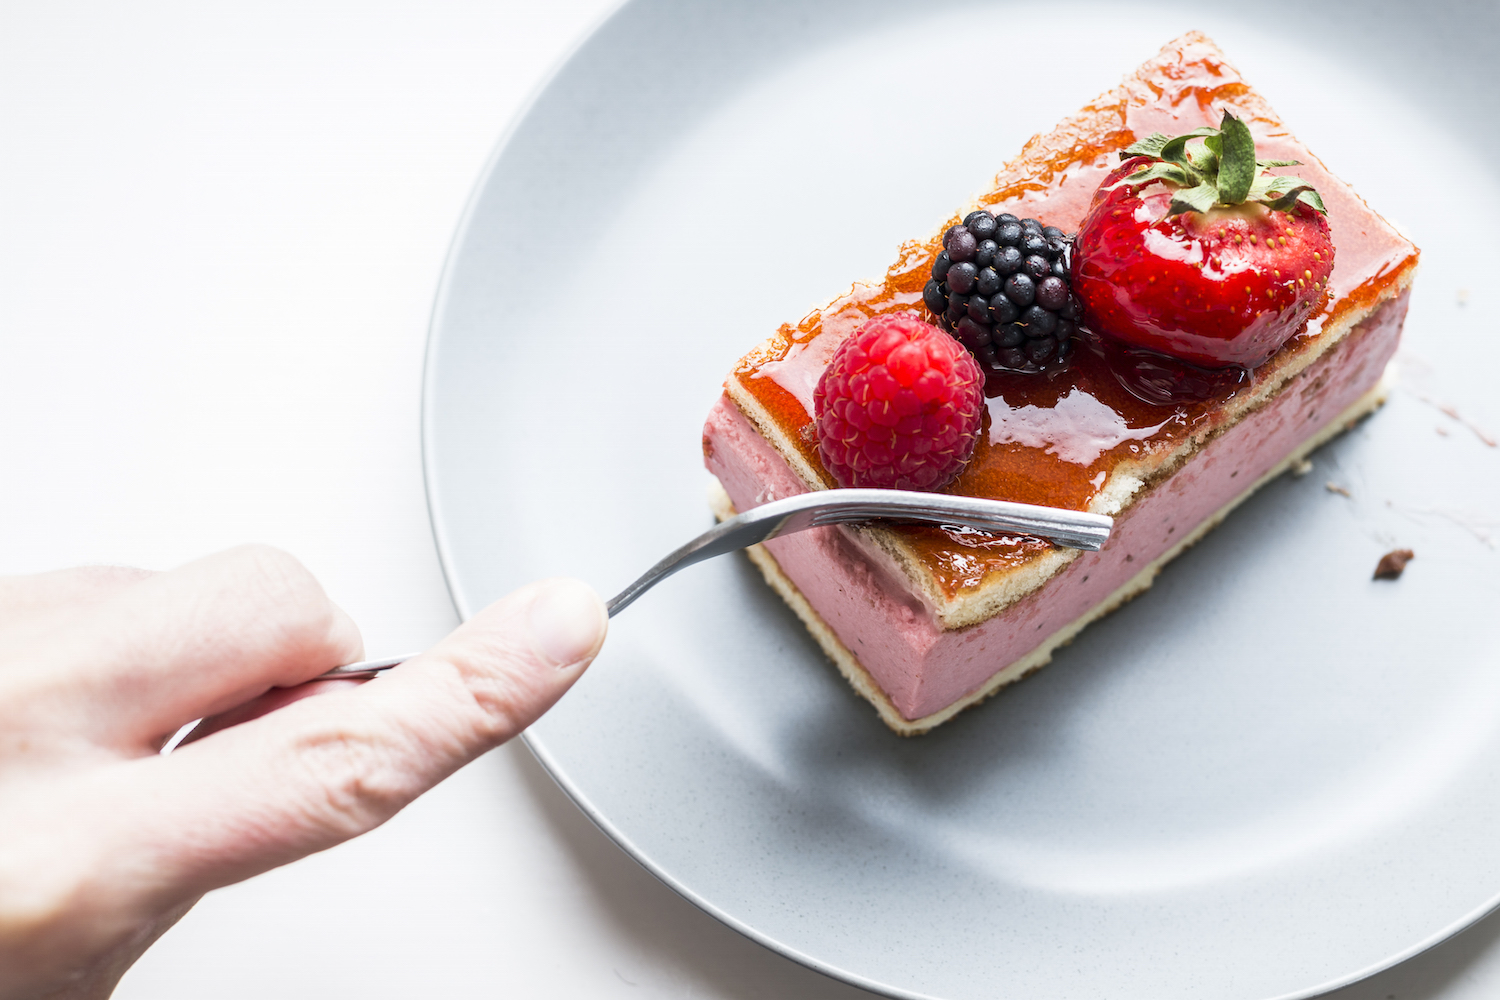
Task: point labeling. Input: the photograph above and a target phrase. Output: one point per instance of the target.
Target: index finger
(177, 646)
(325, 769)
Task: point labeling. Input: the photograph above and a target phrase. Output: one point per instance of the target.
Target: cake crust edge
(865, 685)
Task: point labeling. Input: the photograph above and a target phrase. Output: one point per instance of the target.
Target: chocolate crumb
(1392, 563)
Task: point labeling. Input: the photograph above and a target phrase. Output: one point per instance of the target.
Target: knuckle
(296, 606)
(502, 688)
(278, 575)
(354, 780)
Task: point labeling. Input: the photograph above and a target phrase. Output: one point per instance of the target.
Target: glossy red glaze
(1054, 439)
(1227, 287)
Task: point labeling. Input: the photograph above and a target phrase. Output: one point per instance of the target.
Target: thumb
(513, 660)
(490, 679)
(325, 769)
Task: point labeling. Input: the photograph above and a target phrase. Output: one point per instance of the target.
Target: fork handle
(364, 669)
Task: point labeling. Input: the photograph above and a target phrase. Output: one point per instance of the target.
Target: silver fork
(820, 508)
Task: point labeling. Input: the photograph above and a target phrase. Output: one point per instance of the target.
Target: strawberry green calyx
(1221, 170)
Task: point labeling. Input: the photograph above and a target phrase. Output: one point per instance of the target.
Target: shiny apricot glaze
(1053, 439)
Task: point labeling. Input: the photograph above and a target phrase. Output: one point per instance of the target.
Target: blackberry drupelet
(1001, 287)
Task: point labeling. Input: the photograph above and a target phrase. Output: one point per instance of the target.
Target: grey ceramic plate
(1266, 777)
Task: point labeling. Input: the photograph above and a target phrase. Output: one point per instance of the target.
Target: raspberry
(898, 406)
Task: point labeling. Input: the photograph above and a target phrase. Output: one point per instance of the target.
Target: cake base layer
(859, 678)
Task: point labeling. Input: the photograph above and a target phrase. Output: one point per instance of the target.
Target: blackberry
(1000, 286)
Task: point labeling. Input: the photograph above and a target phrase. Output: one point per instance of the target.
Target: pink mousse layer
(923, 668)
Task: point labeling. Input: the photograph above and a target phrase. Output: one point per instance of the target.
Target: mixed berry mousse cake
(1158, 306)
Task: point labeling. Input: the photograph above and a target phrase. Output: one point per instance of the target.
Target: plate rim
(536, 745)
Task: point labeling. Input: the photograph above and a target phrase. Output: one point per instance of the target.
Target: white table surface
(220, 231)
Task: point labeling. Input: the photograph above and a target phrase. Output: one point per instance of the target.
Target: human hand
(105, 843)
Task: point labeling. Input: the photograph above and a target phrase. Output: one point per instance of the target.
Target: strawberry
(898, 406)
(1199, 253)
